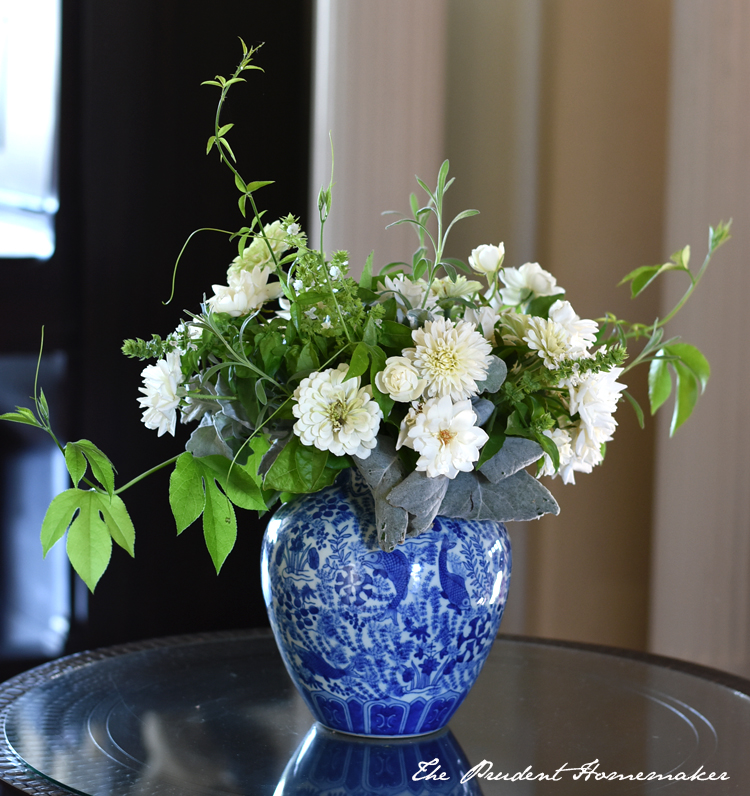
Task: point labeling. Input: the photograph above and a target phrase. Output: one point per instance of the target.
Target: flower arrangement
(439, 380)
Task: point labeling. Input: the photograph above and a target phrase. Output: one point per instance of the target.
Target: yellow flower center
(337, 413)
(445, 436)
(443, 360)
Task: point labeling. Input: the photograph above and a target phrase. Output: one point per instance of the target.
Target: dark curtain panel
(134, 183)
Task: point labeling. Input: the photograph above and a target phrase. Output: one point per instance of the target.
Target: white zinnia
(451, 357)
(335, 415)
(246, 291)
(400, 380)
(407, 424)
(161, 388)
(446, 437)
(487, 259)
(527, 282)
(578, 453)
(548, 338)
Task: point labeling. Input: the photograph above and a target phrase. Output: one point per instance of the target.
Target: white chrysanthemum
(246, 291)
(162, 391)
(451, 357)
(581, 332)
(405, 289)
(527, 282)
(335, 415)
(400, 380)
(548, 338)
(487, 259)
(257, 255)
(447, 288)
(446, 437)
(484, 318)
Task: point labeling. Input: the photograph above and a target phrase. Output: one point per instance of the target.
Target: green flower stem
(182, 251)
(147, 473)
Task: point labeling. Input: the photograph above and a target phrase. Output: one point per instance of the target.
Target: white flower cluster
(248, 287)
(595, 399)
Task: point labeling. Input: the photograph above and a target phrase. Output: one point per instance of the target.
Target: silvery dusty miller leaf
(516, 453)
(482, 409)
(205, 441)
(496, 373)
(381, 471)
(421, 496)
(519, 497)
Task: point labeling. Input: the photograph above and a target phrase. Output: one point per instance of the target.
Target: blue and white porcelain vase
(381, 644)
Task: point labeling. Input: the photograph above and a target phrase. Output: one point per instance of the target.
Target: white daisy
(162, 391)
(451, 357)
(334, 414)
(446, 437)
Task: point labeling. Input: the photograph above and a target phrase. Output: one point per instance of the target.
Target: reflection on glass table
(217, 714)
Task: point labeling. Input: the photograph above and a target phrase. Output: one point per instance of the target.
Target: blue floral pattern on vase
(381, 644)
(329, 764)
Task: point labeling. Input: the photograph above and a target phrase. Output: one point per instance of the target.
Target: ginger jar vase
(381, 644)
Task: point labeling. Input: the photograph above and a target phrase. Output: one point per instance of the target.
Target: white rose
(487, 259)
(400, 380)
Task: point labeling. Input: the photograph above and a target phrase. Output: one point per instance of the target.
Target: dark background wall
(134, 182)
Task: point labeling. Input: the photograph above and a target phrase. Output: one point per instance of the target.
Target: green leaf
(370, 333)
(100, 465)
(58, 517)
(118, 521)
(420, 268)
(659, 383)
(686, 395)
(540, 305)
(365, 280)
(224, 129)
(491, 447)
(240, 183)
(636, 408)
(693, 358)
(299, 468)
(395, 335)
(549, 447)
(22, 415)
(359, 362)
(219, 524)
(89, 544)
(241, 202)
(252, 187)
(240, 482)
(186, 495)
(210, 144)
(75, 461)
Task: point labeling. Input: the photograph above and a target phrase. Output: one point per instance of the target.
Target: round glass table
(217, 714)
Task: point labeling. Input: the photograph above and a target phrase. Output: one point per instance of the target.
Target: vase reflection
(328, 763)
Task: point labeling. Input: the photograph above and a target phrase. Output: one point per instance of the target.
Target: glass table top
(218, 715)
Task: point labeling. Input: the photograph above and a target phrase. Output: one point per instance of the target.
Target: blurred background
(594, 136)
